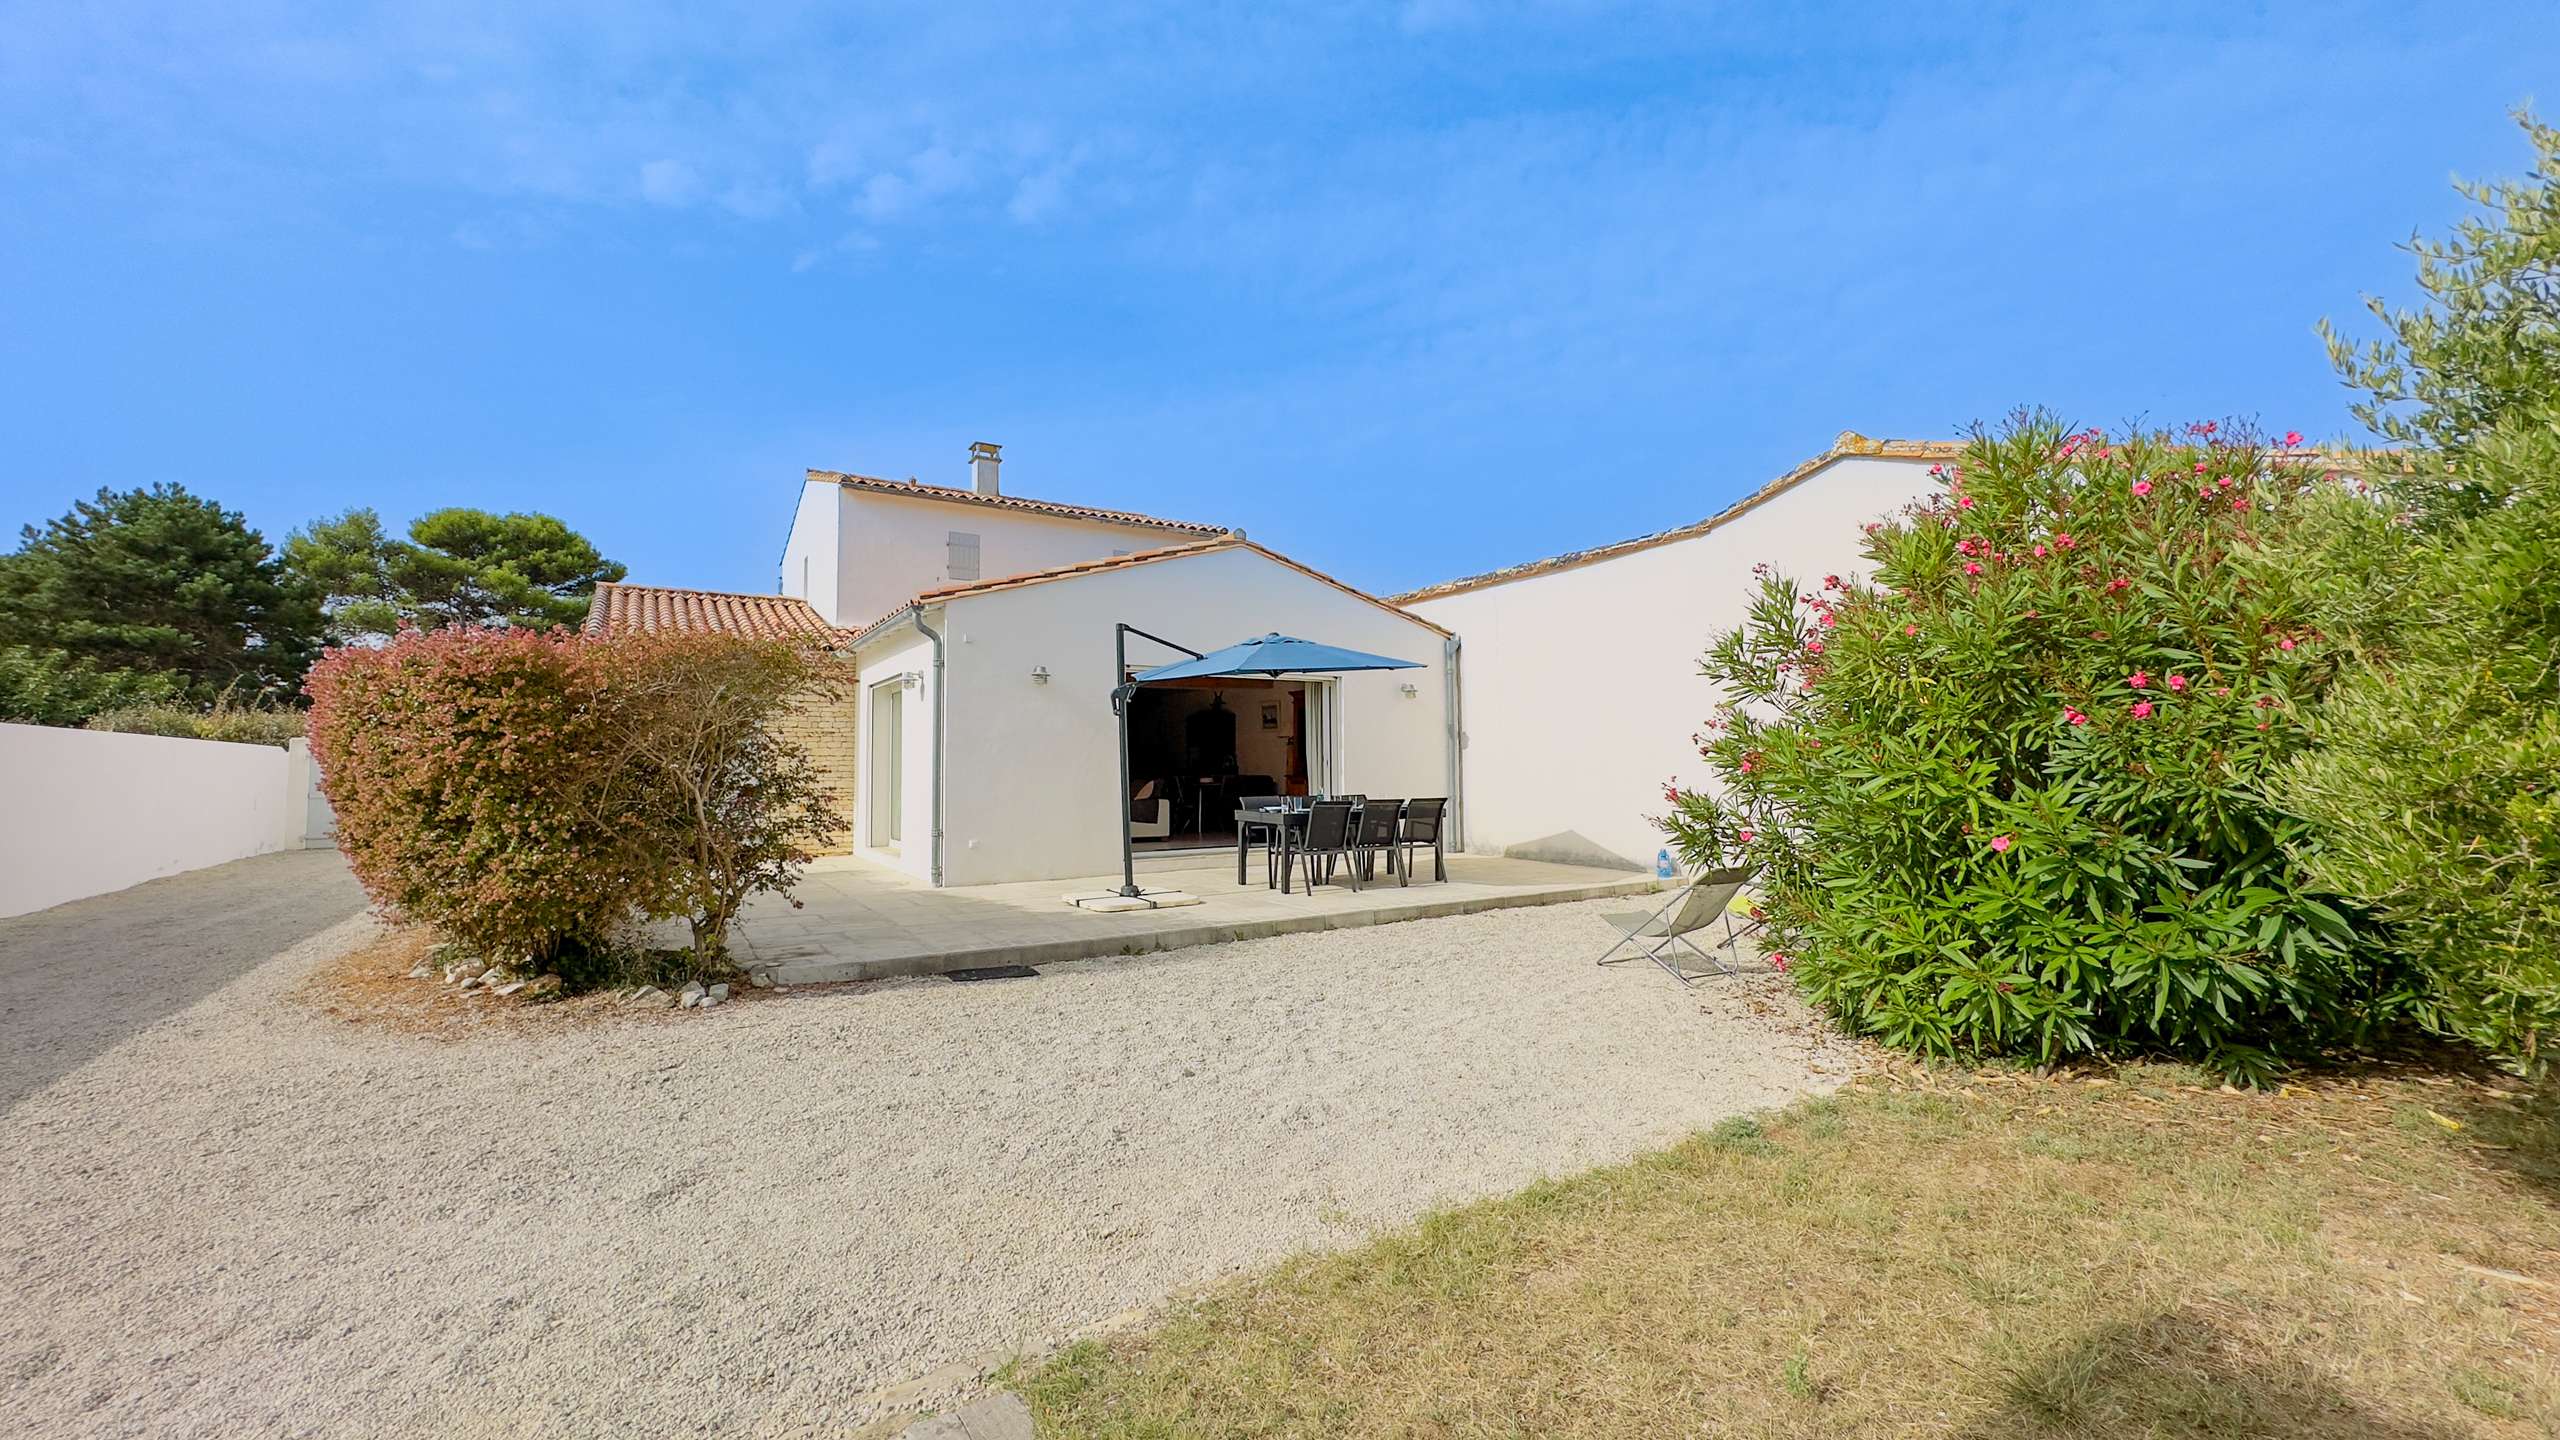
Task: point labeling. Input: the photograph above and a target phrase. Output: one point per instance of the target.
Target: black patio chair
(1268, 831)
(1328, 839)
(1375, 835)
(1422, 826)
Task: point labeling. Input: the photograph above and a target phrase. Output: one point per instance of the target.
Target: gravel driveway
(239, 1217)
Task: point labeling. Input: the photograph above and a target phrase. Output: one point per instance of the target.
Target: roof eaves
(913, 489)
(1229, 541)
(1849, 446)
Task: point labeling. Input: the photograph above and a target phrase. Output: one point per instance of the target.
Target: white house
(982, 745)
(1551, 701)
(1579, 673)
(861, 546)
(991, 749)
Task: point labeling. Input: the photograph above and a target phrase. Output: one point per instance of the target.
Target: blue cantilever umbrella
(1273, 654)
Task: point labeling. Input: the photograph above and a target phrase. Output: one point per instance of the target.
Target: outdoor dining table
(1289, 823)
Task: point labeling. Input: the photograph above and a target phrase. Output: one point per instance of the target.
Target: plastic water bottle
(1662, 865)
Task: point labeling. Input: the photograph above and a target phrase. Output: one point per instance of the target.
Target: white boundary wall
(1580, 686)
(83, 812)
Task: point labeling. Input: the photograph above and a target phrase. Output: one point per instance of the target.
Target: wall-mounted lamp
(1039, 674)
(1409, 690)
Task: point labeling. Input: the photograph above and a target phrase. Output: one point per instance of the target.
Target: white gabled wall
(809, 553)
(903, 651)
(1581, 686)
(1033, 788)
(891, 548)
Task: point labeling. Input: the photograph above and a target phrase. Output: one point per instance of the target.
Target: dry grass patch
(2372, 1254)
(370, 986)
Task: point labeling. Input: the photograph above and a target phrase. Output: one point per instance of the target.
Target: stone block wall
(825, 728)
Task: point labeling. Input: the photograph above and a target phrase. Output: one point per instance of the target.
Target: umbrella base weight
(1113, 902)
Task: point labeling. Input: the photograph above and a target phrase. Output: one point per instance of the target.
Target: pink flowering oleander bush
(2008, 793)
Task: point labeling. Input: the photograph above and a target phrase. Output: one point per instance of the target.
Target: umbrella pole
(1123, 689)
(1121, 693)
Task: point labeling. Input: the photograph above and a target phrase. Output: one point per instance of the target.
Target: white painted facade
(1580, 683)
(857, 554)
(1030, 773)
(90, 811)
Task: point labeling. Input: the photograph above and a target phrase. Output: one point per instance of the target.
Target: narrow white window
(963, 564)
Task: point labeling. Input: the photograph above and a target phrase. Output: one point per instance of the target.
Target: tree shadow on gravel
(2177, 1375)
(79, 979)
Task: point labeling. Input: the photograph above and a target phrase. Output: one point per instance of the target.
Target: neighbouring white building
(1579, 673)
(1551, 701)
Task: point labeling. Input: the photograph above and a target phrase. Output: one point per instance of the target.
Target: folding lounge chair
(1662, 934)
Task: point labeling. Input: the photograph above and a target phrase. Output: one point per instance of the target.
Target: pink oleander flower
(2199, 467)
(1973, 567)
(2292, 439)
(1910, 629)
(1745, 837)
(2073, 717)
(2000, 844)
(2141, 709)
(2041, 552)
(2285, 644)
(2224, 483)
(1779, 962)
(2138, 679)
(2177, 682)
(1830, 621)
(2062, 540)
(1964, 502)
(1937, 469)
(1813, 647)
(2141, 487)
(2240, 502)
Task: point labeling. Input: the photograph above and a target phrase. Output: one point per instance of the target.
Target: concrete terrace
(861, 921)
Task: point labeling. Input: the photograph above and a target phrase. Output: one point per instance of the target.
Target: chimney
(983, 460)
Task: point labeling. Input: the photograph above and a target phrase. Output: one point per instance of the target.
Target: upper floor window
(963, 561)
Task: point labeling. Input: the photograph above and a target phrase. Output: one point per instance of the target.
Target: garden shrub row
(2188, 742)
(532, 794)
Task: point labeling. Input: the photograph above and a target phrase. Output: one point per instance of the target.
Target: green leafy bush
(2009, 794)
(2437, 782)
(244, 722)
(49, 687)
(530, 794)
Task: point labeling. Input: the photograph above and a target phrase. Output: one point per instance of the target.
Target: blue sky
(1406, 291)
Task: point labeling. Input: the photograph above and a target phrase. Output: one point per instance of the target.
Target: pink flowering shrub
(2018, 802)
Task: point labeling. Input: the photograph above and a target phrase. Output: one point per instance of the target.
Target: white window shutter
(963, 561)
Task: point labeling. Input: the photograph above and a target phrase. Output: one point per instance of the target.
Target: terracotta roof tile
(918, 490)
(645, 609)
(1850, 445)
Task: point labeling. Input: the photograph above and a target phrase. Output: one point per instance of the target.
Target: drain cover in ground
(992, 972)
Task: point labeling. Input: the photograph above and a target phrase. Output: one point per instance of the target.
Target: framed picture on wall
(1271, 716)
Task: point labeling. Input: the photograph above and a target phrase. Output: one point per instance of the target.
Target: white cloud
(885, 197)
(669, 182)
(1038, 196)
